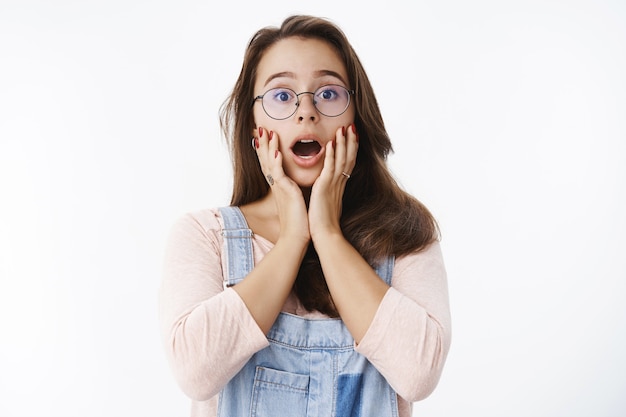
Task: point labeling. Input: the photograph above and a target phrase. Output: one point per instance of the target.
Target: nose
(306, 107)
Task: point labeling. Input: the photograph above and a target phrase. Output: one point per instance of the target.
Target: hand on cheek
(286, 193)
(267, 152)
(327, 193)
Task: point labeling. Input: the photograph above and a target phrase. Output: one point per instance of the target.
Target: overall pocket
(279, 393)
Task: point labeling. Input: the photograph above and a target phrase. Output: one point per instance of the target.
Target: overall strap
(237, 245)
(385, 269)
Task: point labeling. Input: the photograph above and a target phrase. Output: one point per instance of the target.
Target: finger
(340, 150)
(278, 163)
(329, 161)
(263, 139)
(352, 146)
(272, 153)
(261, 145)
(272, 144)
(257, 141)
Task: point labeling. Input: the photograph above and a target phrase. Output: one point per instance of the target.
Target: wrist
(296, 241)
(327, 236)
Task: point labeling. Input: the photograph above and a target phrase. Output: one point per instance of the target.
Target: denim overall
(310, 367)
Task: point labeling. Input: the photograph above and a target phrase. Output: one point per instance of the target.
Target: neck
(306, 194)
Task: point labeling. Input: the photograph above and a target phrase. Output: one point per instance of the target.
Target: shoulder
(421, 276)
(426, 261)
(208, 219)
(204, 224)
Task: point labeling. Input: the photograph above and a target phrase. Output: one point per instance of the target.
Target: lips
(307, 151)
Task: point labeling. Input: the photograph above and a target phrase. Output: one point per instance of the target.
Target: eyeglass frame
(350, 93)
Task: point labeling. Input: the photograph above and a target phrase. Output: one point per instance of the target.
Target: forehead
(300, 59)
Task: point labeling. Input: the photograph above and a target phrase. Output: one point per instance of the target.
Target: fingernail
(256, 142)
(260, 131)
(271, 134)
(353, 128)
(343, 131)
(334, 143)
(276, 154)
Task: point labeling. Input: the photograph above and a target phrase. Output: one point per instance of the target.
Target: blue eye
(327, 93)
(282, 95)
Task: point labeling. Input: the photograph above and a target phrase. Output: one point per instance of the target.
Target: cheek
(351, 112)
(257, 115)
(261, 118)
(348, 117)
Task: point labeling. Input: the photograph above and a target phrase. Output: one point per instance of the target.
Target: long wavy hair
(378, 218)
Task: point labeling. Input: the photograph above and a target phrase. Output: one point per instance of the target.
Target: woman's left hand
(327, 192)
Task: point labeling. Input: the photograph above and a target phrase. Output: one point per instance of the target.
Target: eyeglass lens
(330, 100)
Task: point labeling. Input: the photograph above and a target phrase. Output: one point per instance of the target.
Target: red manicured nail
(276, 154)
(334, 141)
(260, 131)
(343, 131)
(353, 128)
(271, 134)
(256, 142)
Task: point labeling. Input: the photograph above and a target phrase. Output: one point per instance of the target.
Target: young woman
(320, 290)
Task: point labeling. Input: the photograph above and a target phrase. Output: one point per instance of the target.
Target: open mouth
(306, 148)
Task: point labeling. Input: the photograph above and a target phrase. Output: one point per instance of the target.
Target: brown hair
(378, 218)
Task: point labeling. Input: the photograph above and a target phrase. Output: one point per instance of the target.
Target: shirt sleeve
(409, 337)
(208, 332)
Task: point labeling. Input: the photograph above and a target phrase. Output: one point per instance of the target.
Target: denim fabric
(310, 367)
(238, 244)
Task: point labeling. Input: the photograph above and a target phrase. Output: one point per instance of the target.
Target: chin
(304, 177)
(306, 183)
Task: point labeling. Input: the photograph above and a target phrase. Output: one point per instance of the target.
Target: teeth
(307, 141)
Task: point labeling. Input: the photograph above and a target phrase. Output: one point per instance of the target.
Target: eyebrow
(317, 74)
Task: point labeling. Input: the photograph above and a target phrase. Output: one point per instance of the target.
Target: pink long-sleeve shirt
(209, 334)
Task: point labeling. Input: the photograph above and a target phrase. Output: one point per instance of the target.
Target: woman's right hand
(268, 285)
(290, 205)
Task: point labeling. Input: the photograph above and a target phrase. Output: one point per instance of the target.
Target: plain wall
(508, 122)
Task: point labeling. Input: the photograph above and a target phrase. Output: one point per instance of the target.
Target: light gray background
(508, 120)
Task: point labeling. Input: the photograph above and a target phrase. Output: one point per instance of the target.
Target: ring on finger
(345, 175)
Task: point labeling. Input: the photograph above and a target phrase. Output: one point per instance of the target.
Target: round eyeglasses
(281, 103)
